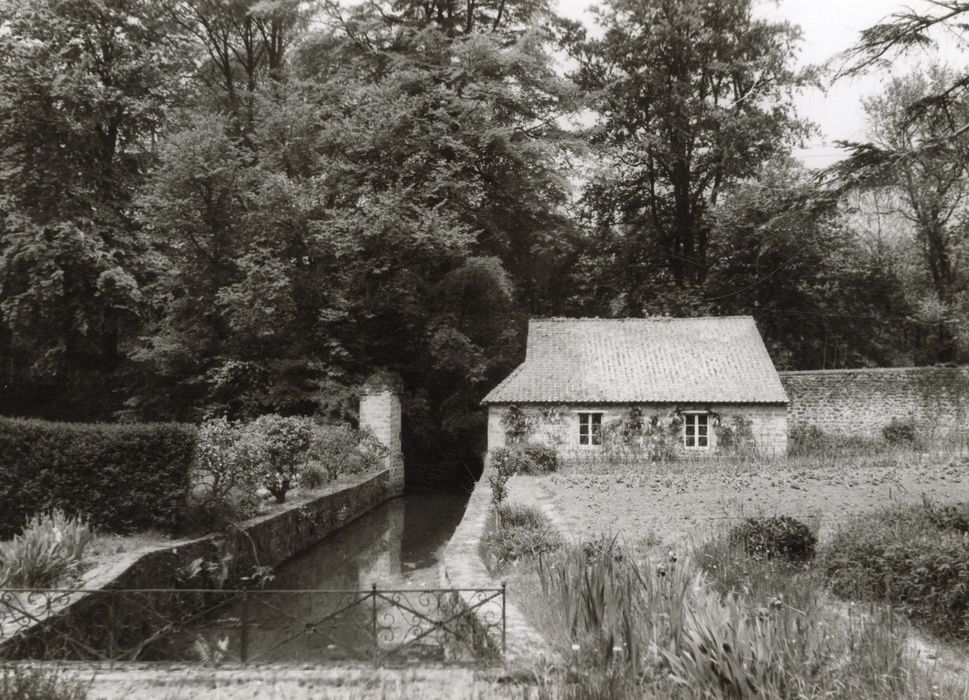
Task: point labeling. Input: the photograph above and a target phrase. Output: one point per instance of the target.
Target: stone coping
(463, 567)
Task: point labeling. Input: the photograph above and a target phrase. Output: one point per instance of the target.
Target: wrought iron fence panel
(213, 626)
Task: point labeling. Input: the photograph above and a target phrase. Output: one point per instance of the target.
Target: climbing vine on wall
(738, 437)
(517, 424)
(655, 438)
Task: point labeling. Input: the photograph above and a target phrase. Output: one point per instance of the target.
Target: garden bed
(673, 504)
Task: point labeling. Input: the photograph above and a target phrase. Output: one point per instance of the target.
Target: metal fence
(216, 627)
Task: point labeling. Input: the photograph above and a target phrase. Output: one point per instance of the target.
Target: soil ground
(672, 505)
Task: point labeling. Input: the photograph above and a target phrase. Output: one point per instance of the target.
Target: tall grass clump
(668, 628)
(915, 558)
(519, 533)
(48, 551)
(18, 683)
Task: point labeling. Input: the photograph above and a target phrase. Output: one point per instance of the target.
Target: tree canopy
(237, 207)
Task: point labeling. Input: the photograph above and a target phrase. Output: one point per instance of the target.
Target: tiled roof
(643, 360)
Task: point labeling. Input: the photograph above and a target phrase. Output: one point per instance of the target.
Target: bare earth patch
(677, 504)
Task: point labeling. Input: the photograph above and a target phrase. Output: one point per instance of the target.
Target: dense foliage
(519, 533)
(117, 477)
(248, 206)
(234, 461)
(776, 536)
(915, 558)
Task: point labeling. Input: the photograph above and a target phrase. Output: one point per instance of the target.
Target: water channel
(397, 545)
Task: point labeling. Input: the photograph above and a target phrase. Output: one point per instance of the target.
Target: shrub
(314, 476)
(118, 477)
(947, 517)
(224, 481)
(20, 683)
(278, 448)
(339, 450)
(521, 532)
(49, 550)
(909, 557)
(531, 458)
(901, 433)
(537, 459)
(805, 439)
(779, 536)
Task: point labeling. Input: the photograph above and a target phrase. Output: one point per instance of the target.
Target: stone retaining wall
(267, 540)
(463, 567)
(860, 402)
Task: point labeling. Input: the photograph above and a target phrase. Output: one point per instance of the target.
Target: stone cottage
(687, 385)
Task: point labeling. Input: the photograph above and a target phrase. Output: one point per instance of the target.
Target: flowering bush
(224, 478)
(49, 549)
(339, 450)
(278, 448)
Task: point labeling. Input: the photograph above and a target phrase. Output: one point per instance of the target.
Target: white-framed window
(696, 429)
(590, 428)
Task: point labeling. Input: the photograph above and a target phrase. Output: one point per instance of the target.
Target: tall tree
(84, 89)
(396, 205)
(900, 33)
(930, 174)
(788, 254)
(692, 96)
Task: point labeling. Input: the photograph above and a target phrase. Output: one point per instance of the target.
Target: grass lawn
(683, 503)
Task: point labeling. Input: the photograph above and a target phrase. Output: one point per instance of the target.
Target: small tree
(224, 481)
(278, 448)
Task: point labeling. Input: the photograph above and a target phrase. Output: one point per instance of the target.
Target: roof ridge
(571, 319)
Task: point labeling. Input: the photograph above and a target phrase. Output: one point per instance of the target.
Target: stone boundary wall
(860, 402)
(463, 567)
(266, 540)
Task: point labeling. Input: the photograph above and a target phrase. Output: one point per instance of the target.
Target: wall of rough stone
(462, 567)
(860, 402)
(380, 414)
(558, 426)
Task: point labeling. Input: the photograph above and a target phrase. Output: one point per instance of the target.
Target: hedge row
(120, 477)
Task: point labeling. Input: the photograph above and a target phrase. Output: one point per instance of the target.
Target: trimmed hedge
(119, 477)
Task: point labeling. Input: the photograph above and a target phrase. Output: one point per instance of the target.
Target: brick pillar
(380, 414)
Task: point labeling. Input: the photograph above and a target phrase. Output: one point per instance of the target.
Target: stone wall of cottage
(860, 402)
(558, 426)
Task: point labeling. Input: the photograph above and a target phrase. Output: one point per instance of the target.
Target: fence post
(112, 641)
(504, 594)
(244, 629)
(373, 621)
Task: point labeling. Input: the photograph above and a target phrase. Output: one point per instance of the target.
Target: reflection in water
(396, 546)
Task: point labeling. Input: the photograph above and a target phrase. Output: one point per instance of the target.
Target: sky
(828, 27)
